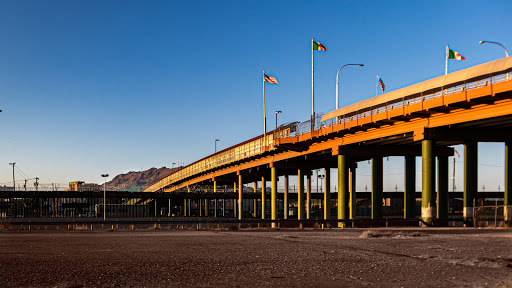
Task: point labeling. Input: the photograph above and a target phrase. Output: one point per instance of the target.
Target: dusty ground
(283, 258)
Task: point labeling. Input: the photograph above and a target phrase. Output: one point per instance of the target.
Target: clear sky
(92, 87)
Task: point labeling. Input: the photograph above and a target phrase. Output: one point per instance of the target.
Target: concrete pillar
(255, 201)
(263, 198)
(428, 181)
(286, 205)
(470, 179)
(442, 189)
(352, 198)
(215, 200)
(234, 201)
(327, 194)
(273, 201)
(342, 188)
(308, 196)
(300, 194)
(410, 187)
(507, 211)
(240, 197)
(377, 187)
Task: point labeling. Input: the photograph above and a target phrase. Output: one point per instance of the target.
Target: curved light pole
(104, 196)
(492, 42)
(277, 112)
(337, 82)
(216, 140)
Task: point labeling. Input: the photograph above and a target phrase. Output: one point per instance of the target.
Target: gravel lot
(261, 258)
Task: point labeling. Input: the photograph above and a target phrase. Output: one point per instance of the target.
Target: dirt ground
(265, 258)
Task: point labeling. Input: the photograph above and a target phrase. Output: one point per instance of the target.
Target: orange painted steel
(253, 153)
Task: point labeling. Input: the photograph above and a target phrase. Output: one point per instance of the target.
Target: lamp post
(216, 140)
(104, 196)
(277, 112)
(337, 82)
(492, 42)
(13, 182)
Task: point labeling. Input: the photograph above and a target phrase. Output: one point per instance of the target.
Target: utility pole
(13, 182)
(37, 183)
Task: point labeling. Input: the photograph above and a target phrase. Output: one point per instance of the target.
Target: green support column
(286, 205)
(263, 198)
(428, 181)
(184, 207)
(255, 201)
(273, 200)
(215, 200)
(442, 189)
(189, 210)
(200, 207)
(470, 179)
(206, 207)
(410, 187)
(342, 188)
(377, 187)
(300, 194)
(240, 199)
(308, 196)
(507, 211)
(327, 194)
(234, 201)
(352, 198)
(223, 207)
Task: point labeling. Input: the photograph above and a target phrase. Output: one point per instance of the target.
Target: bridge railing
(297, 129)
(236, 153)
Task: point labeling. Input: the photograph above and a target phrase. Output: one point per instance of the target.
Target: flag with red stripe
(270, 79)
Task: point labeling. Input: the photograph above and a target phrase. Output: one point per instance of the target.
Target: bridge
(464, 107)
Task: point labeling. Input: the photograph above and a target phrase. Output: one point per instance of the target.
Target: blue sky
(92, 87)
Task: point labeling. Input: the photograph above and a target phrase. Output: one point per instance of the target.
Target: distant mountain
(142, 179)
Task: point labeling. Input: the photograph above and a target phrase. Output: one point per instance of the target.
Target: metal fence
(490, 216)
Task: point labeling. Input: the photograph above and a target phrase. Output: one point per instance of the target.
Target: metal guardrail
(257, 147)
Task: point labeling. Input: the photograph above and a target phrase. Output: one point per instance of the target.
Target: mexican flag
(455, 55)
(318, 46)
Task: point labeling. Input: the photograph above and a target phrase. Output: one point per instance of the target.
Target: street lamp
(104, 196)
(337, 82)
(216, 140)
(492, 42)
(13, 182)
(277, 112)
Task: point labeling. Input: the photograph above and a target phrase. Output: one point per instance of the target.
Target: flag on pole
(381, 84)
(269, 79)
(318, 46)
(455, 55)
(457, 152)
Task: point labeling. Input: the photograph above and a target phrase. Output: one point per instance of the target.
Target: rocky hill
(142, 179)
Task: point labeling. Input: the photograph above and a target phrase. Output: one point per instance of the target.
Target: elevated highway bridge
(464, 107)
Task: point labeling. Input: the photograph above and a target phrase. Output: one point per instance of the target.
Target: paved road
(265, 258)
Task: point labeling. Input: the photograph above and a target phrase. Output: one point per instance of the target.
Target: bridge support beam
(352, 197)
(410, 187)
(255, 201)
(470, 179)
(263, 196)
(428, 181)
(327, 194)
(308, 196)
(342, 188)
(240, 199)
(286, 204)
(234, 200)
(206, 207)
(273, 200)
(377, 187)
(507, 211)
(184, 207)
(300, 194)
(442, 190)
(215, 200)
(200, 207)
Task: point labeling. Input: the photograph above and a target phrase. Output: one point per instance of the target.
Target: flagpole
(264, 115)
(377, 86)
(312, 85)
(446, 65)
